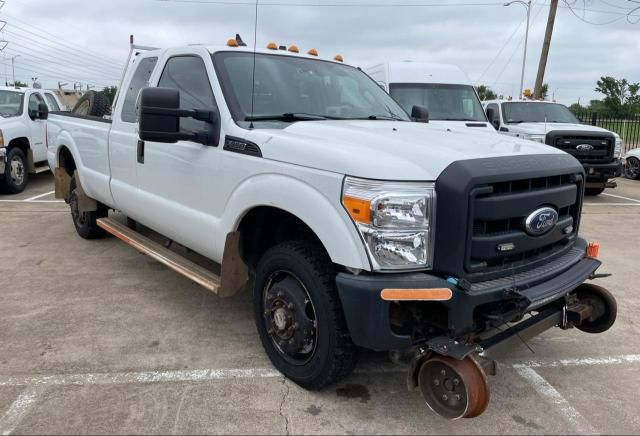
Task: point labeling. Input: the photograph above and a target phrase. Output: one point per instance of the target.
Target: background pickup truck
(355, 226)
(550, 123)
(23, 112)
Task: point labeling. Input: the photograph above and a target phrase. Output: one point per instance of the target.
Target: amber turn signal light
(431, 294)
(592, 249)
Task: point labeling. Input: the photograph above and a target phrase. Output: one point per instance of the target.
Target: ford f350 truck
(551, 123)
(355, 226)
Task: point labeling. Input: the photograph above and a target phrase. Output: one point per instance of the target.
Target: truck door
(177, 182)
(123, 139)
(36, 129)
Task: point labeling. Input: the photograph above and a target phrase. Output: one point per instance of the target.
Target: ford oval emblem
(584, 147)
(541, 221)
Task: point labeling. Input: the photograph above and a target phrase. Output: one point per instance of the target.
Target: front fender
(635, 153)
(327, 219)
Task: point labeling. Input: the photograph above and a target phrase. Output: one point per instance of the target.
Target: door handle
(140, 151)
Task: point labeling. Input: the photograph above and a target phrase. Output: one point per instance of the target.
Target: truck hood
(543, 128)
(386, 149)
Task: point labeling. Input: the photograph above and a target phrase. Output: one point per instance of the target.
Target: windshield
(444, 102)
(530, 112)
(301, 89)
(11, 103)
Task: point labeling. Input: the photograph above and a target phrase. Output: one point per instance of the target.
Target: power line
(332, 5)
(28, 51)
(61, 41)
(76, 53)
(591, 22)
(515, 30)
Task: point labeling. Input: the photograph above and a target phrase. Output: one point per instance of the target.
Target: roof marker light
(232, 43)
(338, 58)
(312, 52)
(272, 46)
(294, 48)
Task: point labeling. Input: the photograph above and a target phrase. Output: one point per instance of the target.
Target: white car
(352, 225)
(23, 112)
(443, 90)
(631, 162)
(552, 123)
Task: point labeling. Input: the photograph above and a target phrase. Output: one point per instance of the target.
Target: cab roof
(425, 72)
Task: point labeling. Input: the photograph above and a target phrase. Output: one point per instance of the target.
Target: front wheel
(85, 222)
(16, 174)
(299, 316)
(593, 191)
(632, 169)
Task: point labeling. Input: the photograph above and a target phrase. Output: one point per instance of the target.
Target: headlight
(617, 151)
(537, 138)
(395, 220)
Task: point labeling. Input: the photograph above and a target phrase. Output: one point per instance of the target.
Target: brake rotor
(454, 388)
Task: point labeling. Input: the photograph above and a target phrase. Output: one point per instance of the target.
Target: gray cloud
(469, 36)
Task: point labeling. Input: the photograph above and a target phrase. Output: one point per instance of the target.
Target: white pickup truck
(444, 90)
(353, 225)
(551, 123)
(23, 112)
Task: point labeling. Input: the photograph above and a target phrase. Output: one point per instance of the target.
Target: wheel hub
(17, 171)
(290, 319)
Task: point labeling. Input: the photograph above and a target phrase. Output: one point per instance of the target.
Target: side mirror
(491, 115)
(42, 113)
(420, 114)
(159, 119)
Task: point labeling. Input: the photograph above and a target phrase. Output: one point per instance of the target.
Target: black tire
(16, 173)
(319, 351)
(85, 222)
(632, 169)
(92, 103)
(593, 191)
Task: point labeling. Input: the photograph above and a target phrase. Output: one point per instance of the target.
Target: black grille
(498, 214)
(587, 148)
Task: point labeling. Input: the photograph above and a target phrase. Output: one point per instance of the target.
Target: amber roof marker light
(294, 48)
(312, 52)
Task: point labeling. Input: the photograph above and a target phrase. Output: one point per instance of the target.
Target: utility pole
(13, 67)
(537, 91)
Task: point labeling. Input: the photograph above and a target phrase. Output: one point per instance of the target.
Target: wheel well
(264, 227)
(21, 143)
(65, 160)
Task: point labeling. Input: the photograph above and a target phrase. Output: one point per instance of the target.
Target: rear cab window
(139, 80)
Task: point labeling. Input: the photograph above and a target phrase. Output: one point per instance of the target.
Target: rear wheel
(16, 174)
(632, 169)
(594, 191)
(299, 316)
(85, 222)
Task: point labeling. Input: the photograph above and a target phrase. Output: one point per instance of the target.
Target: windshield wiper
(377, 117)
(291, 117)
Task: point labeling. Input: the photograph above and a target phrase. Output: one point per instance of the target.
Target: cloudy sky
(87, 40)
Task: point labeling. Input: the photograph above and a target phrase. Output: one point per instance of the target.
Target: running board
(173, 260)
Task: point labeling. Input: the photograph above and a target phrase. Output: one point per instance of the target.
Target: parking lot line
(571, 415)
(612, 204)
(635, 200)
(19, 409)
(582, 361)
(39, 196)
(32, 201)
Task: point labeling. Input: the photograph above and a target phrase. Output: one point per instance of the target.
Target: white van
(444, 90)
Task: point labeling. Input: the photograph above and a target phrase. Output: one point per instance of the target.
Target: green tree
(18, 84)
(544, 90)
(110, 92)
(485, 93)
(620, 96)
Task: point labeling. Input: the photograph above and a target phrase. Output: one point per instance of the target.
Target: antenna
(253, 74)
